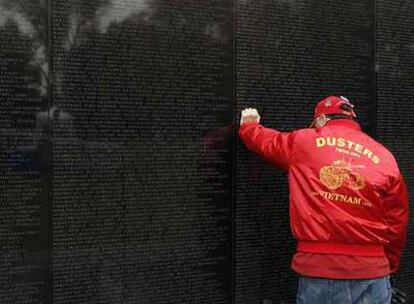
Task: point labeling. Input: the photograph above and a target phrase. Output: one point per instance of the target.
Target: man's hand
(249, 115)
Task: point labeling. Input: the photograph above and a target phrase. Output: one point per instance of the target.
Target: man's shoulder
(380, 147)
(305, 131)
(377, 142)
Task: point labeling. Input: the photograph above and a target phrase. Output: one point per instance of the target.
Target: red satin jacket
(348, 199)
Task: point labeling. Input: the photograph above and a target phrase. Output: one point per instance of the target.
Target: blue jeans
(326, 291)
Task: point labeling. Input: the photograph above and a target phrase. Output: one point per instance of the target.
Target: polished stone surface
(25, 179)
(122, 180)
(142, 151)
(290, 54)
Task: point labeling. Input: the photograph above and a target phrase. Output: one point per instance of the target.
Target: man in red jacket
(348, 203)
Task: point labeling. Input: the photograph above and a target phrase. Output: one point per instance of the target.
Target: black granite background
(141, 163)
(122, 180)
(25, 178)
(395, 107)
(290, 54)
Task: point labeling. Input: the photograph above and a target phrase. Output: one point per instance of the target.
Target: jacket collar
(345, 123)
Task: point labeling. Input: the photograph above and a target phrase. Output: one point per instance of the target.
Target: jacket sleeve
(271, 145)
(396, 209)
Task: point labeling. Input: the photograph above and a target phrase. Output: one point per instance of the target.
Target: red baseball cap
(334, 105)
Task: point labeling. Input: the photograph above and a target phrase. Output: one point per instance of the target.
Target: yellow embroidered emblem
(340, 174)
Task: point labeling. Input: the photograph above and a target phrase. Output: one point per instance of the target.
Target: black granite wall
(395, 106)
(122, 180)
(289, 55)
(25, 145)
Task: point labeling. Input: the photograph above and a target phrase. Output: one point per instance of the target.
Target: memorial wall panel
(142, 162)
(395, 109)
(25, 156)
(122, 176)
(289, 55)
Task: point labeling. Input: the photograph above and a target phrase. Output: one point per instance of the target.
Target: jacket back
(347, 195)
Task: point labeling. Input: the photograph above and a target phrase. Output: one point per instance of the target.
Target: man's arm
(271, 145)
(395, 203)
